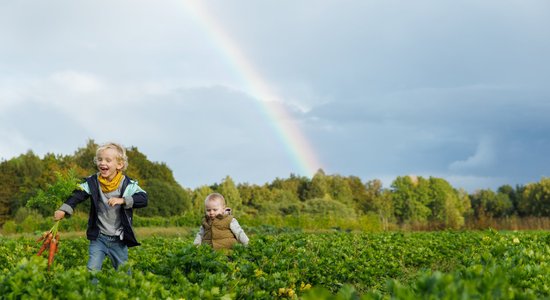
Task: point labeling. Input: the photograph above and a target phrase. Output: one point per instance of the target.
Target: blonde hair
(215, 197)
(121, 151)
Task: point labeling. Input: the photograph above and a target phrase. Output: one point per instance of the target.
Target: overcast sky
(377, 89)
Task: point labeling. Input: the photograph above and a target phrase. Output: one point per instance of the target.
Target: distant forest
(416, 202)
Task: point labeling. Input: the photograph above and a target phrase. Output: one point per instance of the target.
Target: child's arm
(80, 194)
(198, 237)
(134, 196)
(238, 232)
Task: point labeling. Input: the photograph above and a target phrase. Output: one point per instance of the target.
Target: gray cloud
(380, 88)
(483, 157)
(203, 134)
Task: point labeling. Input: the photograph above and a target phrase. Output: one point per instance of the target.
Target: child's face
(214, 208)
(108, 164)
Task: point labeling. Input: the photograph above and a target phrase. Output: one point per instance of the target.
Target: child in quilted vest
(219, 228)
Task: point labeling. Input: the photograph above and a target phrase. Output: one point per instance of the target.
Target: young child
(219, 229)
(113, 198)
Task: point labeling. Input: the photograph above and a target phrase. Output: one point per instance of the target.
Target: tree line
(410, 200)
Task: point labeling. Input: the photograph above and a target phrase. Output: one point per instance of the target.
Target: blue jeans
(111, 246)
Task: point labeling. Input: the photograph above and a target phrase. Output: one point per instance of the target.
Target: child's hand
(115, 201)
(58, 215)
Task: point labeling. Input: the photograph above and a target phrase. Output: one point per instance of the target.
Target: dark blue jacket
(90, 188)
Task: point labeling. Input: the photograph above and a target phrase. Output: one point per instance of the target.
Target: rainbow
(296, 144)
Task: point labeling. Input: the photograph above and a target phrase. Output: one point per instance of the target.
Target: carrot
(53, 249)
(43, 237)
(57, 244)
(45, 244)
(51, 241)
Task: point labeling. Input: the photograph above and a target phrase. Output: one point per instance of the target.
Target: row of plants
(294, 264)
(28, 221)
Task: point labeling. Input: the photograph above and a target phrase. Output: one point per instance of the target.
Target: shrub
(327, 207)
(9, 227)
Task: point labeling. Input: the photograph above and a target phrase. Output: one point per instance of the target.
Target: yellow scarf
(109, 186)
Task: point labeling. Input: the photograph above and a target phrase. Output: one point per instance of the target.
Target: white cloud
(483, 156)
(77, 82)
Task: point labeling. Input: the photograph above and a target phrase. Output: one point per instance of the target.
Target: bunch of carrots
(50, 240)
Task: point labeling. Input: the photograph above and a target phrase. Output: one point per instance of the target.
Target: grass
(141, 232)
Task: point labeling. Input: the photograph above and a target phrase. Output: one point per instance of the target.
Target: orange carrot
(50, 240)
(53, 249)
(43, 237)
(46, 243)
(57, 244)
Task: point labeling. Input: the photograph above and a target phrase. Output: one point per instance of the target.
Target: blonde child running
(113, 198)
(219, 228)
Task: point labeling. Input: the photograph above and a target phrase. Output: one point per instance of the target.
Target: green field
(294, 264)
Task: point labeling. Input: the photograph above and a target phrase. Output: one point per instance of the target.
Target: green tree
(295, 184)
(230, 192)
(512, 195)
(28, 171)
(379, 201)
(328, 207)
(501, 206)
(479, 201)
(29, 177)
(446, 206)
(84, 158)
(256, 198)
(410, 197)
(535, 200)
(9, 186)
(359, 193)
(318, 187)
(340, 190)
(165, 199)
(198, 196)
(464, 198)
(487, 203)
(286, 202)
(371, 198)
(140, 167)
